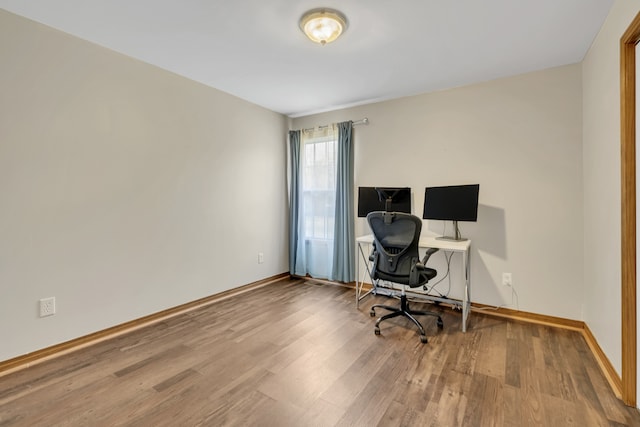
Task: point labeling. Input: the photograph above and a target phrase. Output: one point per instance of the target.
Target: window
(318, 199)
(319, 187)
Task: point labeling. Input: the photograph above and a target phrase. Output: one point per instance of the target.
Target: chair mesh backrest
(396, 237)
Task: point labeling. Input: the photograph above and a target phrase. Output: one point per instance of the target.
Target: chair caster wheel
(423, 339)
(372, 313)
(440, 324)
(376, 331)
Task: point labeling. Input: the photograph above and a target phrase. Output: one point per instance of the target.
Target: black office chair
(395, 259)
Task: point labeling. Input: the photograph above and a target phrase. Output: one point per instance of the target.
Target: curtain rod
(364, 121)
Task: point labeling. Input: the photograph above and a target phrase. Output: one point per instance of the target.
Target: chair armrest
(428, 254)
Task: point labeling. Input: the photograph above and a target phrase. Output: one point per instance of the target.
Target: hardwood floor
(298, 353)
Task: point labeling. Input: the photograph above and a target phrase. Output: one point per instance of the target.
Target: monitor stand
(456, 237)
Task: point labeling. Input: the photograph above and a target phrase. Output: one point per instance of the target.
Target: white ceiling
(254, 49)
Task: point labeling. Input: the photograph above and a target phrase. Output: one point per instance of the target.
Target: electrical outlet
(47, 307)
(260, 258)
(506, 279)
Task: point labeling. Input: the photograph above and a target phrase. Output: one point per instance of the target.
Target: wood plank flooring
(298, 353)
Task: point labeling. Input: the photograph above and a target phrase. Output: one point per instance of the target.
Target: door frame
(628, 42)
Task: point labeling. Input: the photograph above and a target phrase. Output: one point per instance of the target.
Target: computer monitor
(388, 199)
(452, 203)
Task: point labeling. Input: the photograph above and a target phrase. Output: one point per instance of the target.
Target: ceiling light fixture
(323, 25)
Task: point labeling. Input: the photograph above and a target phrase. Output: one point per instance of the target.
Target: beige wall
(520, 138)
(125, 189)
(601, 127)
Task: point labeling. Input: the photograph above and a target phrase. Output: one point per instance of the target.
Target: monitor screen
(451, 203)
(390, 199)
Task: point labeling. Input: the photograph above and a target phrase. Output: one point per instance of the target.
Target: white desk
(462, 247)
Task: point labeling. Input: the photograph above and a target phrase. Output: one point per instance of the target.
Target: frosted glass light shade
(323, 25)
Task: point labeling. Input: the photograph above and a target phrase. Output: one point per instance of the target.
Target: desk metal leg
(359, 280)
(466, 298)
(358, 286)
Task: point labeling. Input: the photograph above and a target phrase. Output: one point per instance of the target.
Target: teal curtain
(344, 235)
(294, 198)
